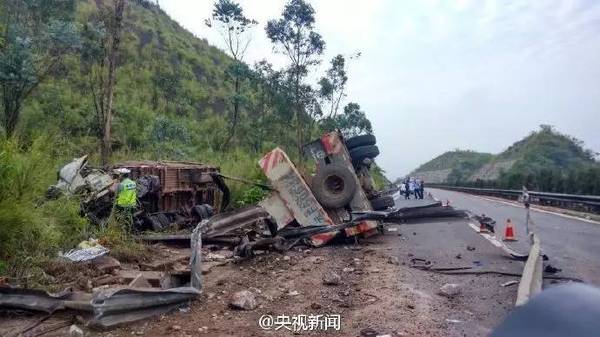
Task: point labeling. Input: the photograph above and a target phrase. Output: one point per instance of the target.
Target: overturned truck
(169, 192)
(337, 202)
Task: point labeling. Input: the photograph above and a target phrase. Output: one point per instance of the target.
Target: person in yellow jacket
(126, 197)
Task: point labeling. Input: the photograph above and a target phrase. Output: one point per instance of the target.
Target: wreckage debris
(192, 195)
(450, 290)
(86, 251)
(243, 300)
(168, 193)
(331, 278)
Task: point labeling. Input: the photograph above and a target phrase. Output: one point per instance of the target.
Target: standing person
(126, 200)
(411, 187)
(418, 189)
(422, 187)
(406, 189)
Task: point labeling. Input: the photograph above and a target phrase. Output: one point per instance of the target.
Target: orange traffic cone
(509, 231)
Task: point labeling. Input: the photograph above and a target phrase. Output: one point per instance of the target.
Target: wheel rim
(334, 184)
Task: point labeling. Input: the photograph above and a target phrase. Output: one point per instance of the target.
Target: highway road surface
(571, 244)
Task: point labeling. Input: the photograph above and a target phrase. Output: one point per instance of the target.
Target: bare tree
(333, 85)
(229, 19)
(102, 40)
(294, 36)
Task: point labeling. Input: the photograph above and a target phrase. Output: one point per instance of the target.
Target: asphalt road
(451, 242)
(571, 244)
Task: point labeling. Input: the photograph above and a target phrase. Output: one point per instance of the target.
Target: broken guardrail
(110, 307)
(531, 281)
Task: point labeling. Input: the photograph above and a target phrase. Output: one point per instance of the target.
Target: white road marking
(488, 236)
(494, 240)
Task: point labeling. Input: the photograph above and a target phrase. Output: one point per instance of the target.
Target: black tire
(382, 203)
(333, 186)
(360, 141)
(200, 212)
(361, 153)
(155, 223)
(163, 219)
(203, 211)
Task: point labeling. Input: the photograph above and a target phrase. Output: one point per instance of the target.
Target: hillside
(165, 72)
(545, 160)
(172, 101)
(454, 165)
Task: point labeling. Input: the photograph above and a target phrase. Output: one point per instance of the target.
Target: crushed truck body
(169, 192)
(338, 202)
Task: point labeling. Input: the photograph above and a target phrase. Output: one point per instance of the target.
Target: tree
(352, 122)
(102, 40)
(294, 36)
(229, 19)
(333, 84)
(36, 35)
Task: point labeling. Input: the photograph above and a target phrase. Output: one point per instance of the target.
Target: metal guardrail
(531, 281)
(586, 203)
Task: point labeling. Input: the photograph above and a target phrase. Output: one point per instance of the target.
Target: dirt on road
(377, 292)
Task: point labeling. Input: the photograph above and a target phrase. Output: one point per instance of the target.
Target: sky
(435, 76)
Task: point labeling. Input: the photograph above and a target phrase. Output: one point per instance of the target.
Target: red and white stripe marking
(270, 160)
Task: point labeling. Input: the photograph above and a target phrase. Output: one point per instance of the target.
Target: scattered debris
(330, 278)
(243, 300)
(86, 254)
(551, 270)
(182, 194)
(509, 283)
(140, 282)
(106, 264)
(75, 331)
(368, 332)
(450, 290)
(485, 222)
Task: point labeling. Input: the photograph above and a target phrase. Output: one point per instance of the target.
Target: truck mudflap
(295, 194)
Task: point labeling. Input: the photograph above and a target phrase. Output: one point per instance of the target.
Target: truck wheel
(382, 203)
(333, 186)
(203, 211)
(360, 141)
(358, 154)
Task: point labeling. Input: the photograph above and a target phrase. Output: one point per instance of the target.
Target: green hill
(173, 98)
(457, 165)
(545, 160)
(172, 102)
(168, 80)
(547, 149)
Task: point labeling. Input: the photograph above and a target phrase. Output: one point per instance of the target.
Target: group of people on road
(411, 186)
